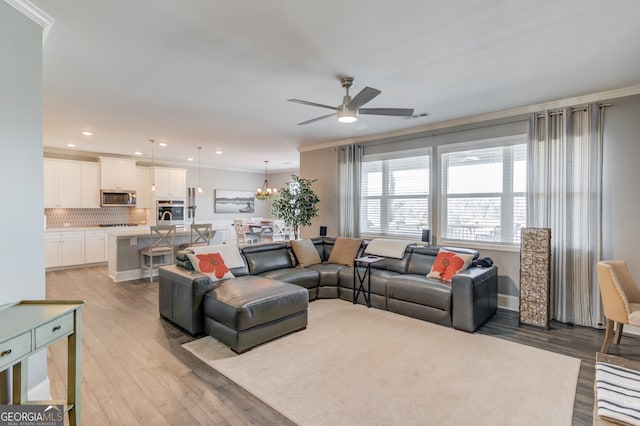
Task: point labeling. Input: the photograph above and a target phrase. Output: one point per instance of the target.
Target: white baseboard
(630, 329)
(511, 303)
(132, 274)
(40, 392)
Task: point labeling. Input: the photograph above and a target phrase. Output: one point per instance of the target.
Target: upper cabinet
(118, 173)
(170, 183)
(62, 184)
(90, 184)
(71, 184)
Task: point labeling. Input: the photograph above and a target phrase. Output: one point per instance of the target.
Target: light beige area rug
(359, 366)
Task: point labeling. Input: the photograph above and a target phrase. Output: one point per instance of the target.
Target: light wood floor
(135, 371)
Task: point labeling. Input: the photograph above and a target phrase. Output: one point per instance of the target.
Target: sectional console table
(30, 326)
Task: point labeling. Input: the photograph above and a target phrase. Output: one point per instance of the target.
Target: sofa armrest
(180, 297)
(474, 294)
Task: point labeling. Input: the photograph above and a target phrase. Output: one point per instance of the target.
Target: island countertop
(141, 232)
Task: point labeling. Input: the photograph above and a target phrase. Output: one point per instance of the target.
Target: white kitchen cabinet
(94, 246)
(64, 248)
(90, 184)
(170, 183)
(143, 187)
(62, 184)
(117, 173)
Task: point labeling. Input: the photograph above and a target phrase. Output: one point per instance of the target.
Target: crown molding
(509, 113)
(34, 13)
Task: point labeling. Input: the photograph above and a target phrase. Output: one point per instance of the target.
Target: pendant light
(266, 193)
(199, 171)
(153, 173)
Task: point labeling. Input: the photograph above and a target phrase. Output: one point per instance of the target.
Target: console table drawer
(14, 349)
(53, 330)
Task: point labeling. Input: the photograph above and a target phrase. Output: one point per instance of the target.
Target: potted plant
(296, 204)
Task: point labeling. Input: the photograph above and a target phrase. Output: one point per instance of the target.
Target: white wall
(22, 224)
(213, 179)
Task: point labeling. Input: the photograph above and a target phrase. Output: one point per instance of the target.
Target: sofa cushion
(344, 251)
(251, 301)
(210, 264)
(299, 276)
(420, 290)
(449, 263)
(328, 273)
(305, 252)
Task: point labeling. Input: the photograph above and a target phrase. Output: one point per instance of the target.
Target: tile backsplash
(78, 218)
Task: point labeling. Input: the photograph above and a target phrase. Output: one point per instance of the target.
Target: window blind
(395, 194)
(483, 188)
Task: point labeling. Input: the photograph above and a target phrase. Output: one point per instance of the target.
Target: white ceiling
(218, 74)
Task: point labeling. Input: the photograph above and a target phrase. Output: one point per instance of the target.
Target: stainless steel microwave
(110, 198)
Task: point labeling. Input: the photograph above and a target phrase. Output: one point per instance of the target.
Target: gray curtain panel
(565, 194)
(349, 167)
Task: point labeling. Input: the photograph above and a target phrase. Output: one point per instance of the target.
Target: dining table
(261, 230)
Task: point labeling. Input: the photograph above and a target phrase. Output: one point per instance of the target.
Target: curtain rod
(575, 109)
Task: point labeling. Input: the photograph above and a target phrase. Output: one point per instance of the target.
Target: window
(395, 194)
(483, 187)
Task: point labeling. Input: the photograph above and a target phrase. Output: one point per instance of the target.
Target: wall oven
(117, 198)
(170, 212)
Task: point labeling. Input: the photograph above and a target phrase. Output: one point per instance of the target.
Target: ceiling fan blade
(312, 104)
(313, 120)
(364, 96)
(396, 112)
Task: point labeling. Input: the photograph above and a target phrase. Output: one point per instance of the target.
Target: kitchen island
(124, 252)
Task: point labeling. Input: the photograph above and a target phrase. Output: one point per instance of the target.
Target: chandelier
(266, 193)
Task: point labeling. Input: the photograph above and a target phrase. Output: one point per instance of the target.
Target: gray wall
(621, 204)
(22, 227)
(621, 183)
(322, 165)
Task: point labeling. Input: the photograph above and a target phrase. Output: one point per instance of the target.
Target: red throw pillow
(449, 263)
(210, 264)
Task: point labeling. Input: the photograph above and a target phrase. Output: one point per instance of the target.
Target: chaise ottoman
(246, 311)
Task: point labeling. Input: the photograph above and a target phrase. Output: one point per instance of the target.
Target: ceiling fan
(349, 110)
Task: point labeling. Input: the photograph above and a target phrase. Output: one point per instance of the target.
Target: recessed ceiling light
(218, 152)
(87, 133)
(190, 159)
(163, 144)
(137, 152)
(71, 145)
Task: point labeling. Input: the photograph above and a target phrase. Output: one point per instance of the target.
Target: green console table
(30, 326)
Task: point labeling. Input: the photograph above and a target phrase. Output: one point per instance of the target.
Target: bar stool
(201, 234)
(162, 241)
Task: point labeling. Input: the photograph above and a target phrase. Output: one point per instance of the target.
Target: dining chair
(162, 240)
(243, 234)
(201, 234)
(620, 299)
(279, 231)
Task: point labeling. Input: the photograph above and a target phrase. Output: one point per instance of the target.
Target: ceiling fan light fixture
(347, 116)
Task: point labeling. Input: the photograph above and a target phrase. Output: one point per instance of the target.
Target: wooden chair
(280, 232)
(243, 236)
(201, 234)
(620, 299)
(162, 241)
